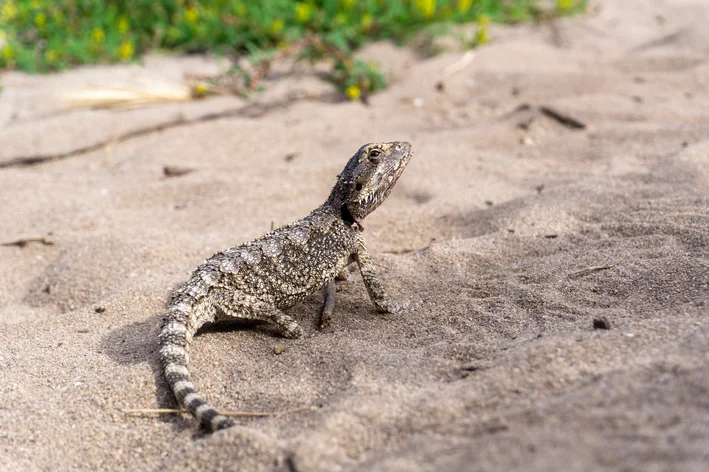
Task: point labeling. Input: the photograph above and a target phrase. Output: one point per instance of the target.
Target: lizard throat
(348, 218)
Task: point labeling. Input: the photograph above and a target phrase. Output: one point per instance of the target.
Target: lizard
(261, 278)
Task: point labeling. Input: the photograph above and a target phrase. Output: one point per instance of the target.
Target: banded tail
(181, 322)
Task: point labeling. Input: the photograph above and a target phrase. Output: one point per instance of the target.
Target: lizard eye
(358, 187)
(374, 155)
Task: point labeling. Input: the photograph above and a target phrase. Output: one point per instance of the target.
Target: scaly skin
(259, 279)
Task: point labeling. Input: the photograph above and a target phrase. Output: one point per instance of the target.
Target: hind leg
(238, 306)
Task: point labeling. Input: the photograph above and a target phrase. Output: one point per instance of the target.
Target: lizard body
(260, 279)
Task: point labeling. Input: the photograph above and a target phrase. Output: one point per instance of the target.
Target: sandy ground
(539, 228)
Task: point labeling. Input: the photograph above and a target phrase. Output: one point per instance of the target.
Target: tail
(181, 322)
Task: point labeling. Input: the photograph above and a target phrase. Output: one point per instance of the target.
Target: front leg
(371, 280)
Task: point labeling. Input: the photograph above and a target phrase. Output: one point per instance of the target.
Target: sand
(509, 233)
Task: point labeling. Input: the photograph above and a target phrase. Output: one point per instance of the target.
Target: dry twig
(459, 65)
(589, 270)
(565, 120)
(251, 110)
(400, 252)
(140, 411)
(22, 242)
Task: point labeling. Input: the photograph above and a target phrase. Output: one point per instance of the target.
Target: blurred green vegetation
(47, 35)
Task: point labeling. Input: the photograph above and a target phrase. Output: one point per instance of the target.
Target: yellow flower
(426, 7)
(57, 16)
(302, 12)
(8, 12)
(200, 89)
(40, 20)
(482, 35)
(366, 21)
(126, 51)
(464, 5)
(353, 92)
(97, 35)
(277, 26)
(51, 56)
(123, 24)
(564, 5)
(191, 15)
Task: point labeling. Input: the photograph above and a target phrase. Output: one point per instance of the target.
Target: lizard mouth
(375, 180)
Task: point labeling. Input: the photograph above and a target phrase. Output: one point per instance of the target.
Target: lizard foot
(393, 307)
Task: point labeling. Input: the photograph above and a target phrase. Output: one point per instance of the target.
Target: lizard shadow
(137, 343)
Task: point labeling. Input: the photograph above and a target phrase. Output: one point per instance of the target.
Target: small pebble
(279, 349)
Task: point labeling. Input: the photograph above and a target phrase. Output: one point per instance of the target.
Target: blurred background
(51, 35)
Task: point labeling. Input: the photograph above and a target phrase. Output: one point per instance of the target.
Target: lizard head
(369, 177)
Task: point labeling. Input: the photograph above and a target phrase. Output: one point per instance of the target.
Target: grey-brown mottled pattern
(259, 279)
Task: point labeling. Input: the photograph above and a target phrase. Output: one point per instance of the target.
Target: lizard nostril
(358, 187)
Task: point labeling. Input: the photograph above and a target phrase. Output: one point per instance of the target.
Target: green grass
(49, 35)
